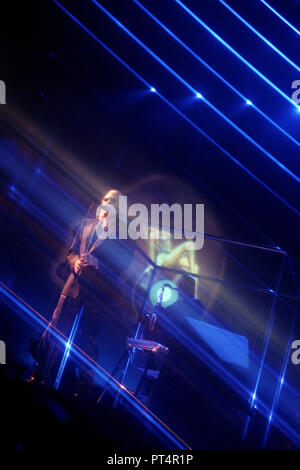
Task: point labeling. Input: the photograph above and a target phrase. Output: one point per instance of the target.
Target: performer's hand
(77, 267)
(88, 260)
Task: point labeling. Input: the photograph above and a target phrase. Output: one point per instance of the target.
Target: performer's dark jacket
(113, 255)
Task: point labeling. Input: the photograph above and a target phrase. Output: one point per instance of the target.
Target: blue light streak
(222, 149)
(281, 17)
(67, 349)
(213, 71)
(231, 49)
(287, 59)
(266, 341)
(281, 379)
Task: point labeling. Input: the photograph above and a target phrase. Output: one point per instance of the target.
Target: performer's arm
(74, 250)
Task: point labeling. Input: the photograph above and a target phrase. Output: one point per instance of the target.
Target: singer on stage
(96, 264)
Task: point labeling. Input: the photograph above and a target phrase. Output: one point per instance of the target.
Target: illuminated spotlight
(199, 96)
(249, 102)
(169, 296)
(153, 90)
(298, 109)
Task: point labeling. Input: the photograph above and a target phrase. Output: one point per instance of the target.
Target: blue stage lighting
(287, 59)
(281, 17)
(174, 108)
(231, 49)
(153, 90)
(192, 89)
(212, 70)
(249, 102)
(67, 349)
(198, 95)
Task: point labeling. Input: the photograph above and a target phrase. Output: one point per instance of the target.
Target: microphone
(161, 292)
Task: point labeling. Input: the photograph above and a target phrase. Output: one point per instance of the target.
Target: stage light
(199, 96)
(233, 51)
(281, 17)
(212, 70)
(263, 38)
(153, 90)
(175, 109)
(249, 102)
(192, 89)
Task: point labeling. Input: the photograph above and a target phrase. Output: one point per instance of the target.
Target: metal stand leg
(144, 374)
(113, 373)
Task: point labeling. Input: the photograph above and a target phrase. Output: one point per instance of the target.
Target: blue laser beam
(231, 49)
(174, 108)
(280, 381)
(266, 342)
(67, 349)
(195, 92)
(212, 70)
(281, 17)
(263, 38)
